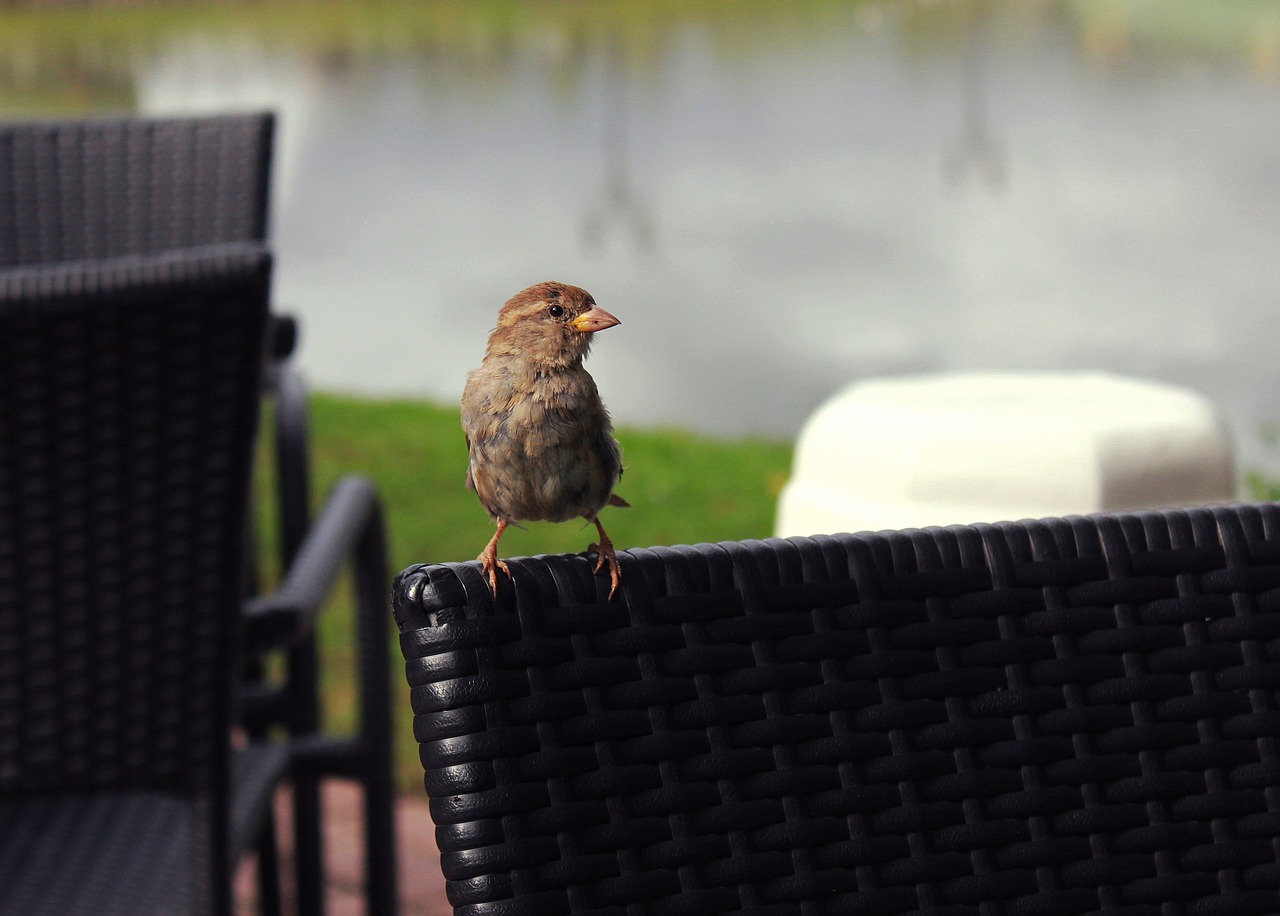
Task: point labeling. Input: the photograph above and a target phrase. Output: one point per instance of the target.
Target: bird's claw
(489, 561)
(605, 555)
(493, 573)
(491, 564)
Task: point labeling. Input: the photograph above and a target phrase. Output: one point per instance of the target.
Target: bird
(539, 440)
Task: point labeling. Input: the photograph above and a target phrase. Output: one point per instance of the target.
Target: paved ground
(421, 884)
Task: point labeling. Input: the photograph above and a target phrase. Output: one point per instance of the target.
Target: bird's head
(549, 324)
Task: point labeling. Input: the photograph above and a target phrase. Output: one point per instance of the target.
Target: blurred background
(776, 198)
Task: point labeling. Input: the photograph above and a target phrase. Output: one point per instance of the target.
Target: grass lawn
(682, 489)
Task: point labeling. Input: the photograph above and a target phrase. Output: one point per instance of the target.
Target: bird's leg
(606, 554)
(489, 558)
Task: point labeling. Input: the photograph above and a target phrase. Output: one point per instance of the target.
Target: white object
(955, 449)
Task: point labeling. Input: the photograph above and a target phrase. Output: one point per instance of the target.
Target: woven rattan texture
(111, 187)
(128, 405)
(1060, 717)
(97, 840)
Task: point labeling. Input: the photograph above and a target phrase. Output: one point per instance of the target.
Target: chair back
(101, 188)
(129, 392)
(1054, 717)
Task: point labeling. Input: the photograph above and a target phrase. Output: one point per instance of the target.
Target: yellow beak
(592, 320)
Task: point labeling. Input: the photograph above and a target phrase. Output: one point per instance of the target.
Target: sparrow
(539, 439)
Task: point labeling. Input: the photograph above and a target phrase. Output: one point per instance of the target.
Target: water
(779, 200)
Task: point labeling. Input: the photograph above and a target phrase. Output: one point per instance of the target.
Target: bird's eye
(556, 311)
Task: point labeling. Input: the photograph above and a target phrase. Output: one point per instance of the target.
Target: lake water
(776, 199)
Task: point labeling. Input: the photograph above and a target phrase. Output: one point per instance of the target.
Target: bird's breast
(544, 452)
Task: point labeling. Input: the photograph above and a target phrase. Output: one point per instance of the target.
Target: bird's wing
(471, 483)
(611, 454)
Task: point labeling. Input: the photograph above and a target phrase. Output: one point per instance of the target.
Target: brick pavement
(421, 884)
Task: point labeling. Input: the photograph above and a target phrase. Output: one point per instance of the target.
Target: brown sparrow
(540, 441)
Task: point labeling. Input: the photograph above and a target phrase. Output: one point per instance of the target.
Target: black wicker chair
(132, 186)
(129, 392)
(105, 187)
(1058, 717)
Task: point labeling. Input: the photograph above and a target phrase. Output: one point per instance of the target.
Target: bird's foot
(489, 561)
(605, 554)
(491, 565)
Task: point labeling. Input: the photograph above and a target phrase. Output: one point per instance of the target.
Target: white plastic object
(912, 452)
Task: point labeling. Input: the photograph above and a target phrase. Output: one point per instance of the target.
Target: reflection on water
(775, 197)
(619, 207)
(976, 151)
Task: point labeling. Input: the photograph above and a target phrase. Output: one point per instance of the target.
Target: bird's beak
(593, 319)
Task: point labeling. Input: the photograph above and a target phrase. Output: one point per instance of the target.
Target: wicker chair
(129, 392)
(101, 188)
(1057, 717)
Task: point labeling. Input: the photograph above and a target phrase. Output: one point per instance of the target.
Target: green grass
(1259, 486)
(682, 489)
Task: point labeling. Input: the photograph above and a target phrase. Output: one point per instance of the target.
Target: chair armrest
(282, 336)
(293, 457)
(348, 527)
